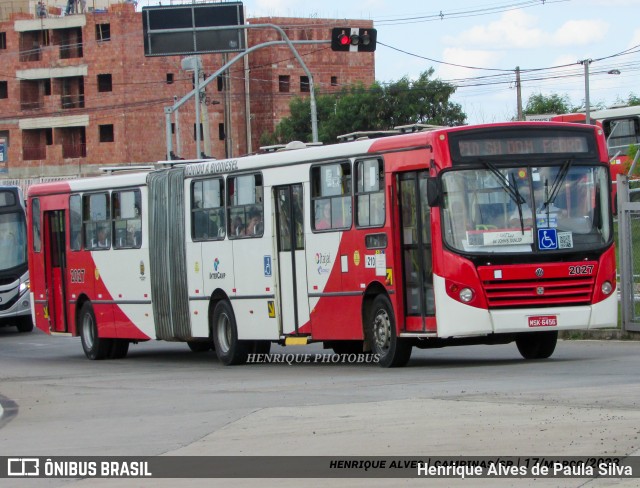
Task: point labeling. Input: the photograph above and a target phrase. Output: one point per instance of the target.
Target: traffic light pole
(285, 40)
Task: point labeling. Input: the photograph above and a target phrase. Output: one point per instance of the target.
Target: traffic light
(353, 39)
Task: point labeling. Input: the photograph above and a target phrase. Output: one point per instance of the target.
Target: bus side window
(207, 210)
(37, 224)
(331, 196)
(127, 219)
(75, 222)
(96, 219)
(370, 204)
(246, 210)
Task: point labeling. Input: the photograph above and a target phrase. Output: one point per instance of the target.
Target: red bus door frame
(55, 269)
(417, 266)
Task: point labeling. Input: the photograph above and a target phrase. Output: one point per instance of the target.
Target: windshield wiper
(555, 187)
(512, 190)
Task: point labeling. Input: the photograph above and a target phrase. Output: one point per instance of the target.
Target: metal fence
(628, 254)
(25, 183)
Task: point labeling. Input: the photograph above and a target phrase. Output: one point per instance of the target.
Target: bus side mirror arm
(434, 191)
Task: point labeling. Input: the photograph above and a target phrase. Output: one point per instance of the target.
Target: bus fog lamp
(466, 295)
(607, 288)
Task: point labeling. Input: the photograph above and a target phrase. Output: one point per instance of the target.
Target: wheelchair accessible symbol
(547, 239)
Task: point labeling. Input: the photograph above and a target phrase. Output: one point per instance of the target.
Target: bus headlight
(606, 288)
(466, 295)
(24, 287)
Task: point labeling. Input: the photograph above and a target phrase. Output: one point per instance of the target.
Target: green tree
(633, 100)
(539, 104)
(378, 107)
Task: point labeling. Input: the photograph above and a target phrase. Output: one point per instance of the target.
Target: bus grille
(539, 293)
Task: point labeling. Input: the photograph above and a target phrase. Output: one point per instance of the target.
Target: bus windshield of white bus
(13, 241)
(526, 209)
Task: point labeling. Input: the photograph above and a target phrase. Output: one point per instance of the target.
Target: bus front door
(415, 217)
(55, 269)
(292, 268)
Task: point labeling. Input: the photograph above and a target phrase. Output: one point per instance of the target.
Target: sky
(476, 46)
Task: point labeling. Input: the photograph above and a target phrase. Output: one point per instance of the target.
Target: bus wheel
(537, 345)
(391, 350)
(94, 347)
(225, 336)
(119, 349)
(199, 346)
(25, 324)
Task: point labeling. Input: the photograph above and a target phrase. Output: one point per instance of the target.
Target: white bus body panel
(456, 319)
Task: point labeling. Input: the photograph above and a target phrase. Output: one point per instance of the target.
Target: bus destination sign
(478, 147)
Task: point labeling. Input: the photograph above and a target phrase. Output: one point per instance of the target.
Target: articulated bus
(466, 235)
(15, 305)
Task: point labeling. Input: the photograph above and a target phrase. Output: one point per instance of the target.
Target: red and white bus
(424, 239)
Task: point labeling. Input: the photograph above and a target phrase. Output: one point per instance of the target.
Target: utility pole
(587, 107)
(518, 93)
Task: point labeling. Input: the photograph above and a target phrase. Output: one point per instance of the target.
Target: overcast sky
(496, 35)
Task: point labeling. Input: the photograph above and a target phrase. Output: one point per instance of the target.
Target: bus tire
(25, 324)
(229, 349)
(537, 345)
(94, 346)
(199, 346)
(119, 349)
(391, 350)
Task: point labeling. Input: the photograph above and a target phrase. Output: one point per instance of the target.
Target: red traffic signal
(353, 39)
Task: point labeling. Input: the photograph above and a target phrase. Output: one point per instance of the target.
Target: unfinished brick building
(77, 92)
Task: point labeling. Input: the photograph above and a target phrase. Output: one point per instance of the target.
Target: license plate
(543, 321)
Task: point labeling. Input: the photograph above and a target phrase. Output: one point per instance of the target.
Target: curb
(599, 335)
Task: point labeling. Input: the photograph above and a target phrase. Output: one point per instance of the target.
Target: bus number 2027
(77, 276)
(581, 270)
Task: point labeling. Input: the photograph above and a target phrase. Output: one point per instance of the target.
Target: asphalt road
(164, 399)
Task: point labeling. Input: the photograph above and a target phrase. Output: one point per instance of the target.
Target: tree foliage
(378, 107)
(539, 104)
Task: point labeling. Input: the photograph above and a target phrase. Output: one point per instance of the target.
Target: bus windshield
(526, 209)
(13, 241)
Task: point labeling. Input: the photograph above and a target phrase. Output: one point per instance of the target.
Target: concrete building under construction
(78, 93)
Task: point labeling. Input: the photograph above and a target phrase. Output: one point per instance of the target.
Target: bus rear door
(292, 270)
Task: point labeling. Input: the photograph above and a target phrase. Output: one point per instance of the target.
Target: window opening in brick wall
(284, 83)
(104, 83)
(304, 84)
(4, 89)
(106, 133)
(103, 32)
(169, 78)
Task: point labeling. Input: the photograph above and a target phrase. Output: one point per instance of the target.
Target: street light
(586, 63)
